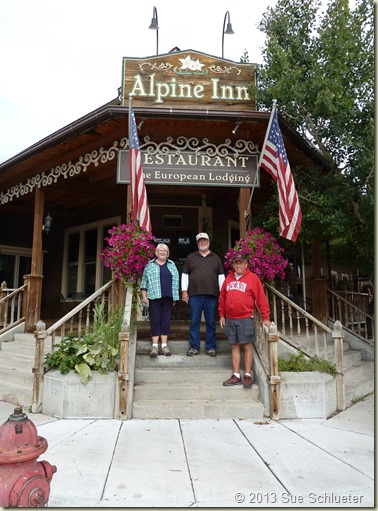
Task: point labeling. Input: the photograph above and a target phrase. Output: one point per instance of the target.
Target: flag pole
(130, 194)
(248, 216)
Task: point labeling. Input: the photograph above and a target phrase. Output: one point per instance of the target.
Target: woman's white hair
(162, 245)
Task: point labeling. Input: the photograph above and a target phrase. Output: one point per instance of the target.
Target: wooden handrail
(13, 293)
(299, 309)
(80, 306)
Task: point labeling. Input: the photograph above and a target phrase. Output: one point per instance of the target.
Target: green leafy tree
(319, 66)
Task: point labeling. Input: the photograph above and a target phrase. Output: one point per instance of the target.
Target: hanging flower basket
(130, 248)
(264, 255)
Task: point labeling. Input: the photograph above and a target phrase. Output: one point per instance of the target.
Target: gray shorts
(240, 331)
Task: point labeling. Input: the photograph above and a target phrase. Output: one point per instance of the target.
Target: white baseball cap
(202, 235)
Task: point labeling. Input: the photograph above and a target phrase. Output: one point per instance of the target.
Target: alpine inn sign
(188, 79)
(191, 79)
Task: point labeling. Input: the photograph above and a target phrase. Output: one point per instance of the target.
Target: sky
(61, 59)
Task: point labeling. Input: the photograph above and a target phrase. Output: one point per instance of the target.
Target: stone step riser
(184, 362)
(360, 372)
(15, 360)
(11, 393)
(194, 392)
(22, 377)
(198, 410)
(171, 375)
(11, 347)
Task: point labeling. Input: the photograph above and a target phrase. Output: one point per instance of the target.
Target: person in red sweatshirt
(241, 291)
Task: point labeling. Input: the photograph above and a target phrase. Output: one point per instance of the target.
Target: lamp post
(154, 26)
(227, 31)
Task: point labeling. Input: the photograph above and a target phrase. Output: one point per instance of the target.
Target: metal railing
(11, 306)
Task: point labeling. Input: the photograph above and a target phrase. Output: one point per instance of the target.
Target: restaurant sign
(188, 79)
(193, 164)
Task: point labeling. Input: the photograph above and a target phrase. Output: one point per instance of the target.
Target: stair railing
(11, 306)
(300, 332)
(297, 327)
(351, 314)
(80, 318)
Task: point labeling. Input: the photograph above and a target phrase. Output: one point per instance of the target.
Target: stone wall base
(65, 397)
(307, 395)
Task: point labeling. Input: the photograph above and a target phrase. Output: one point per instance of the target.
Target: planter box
(65, 397)
(307, 395)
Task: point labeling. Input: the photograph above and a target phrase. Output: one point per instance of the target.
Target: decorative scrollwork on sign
(162, 66)
(64, 170)
(196, 146)
(226, 69)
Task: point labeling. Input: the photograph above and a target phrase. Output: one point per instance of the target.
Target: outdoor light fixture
(46, 227)
(227, 31)
(154, 26)
(237, 126)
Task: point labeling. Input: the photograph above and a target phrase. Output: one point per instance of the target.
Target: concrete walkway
(211, 463)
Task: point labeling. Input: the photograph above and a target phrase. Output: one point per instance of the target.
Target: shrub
(298, 363)
(96, 350)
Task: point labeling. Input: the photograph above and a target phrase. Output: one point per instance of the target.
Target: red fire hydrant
(24, 482)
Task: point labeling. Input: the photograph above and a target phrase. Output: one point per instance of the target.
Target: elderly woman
(160, 287)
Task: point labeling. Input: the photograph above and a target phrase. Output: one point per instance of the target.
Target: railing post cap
(272, 328)
(40, 326)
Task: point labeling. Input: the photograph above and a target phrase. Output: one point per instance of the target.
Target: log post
(338, 336)
(124, 339)
(274, 377)
(38, 369)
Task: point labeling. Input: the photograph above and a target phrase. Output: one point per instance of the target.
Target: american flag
(273, 159)
(139, 203)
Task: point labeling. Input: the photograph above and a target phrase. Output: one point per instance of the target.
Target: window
(15, 262)
(83, 270)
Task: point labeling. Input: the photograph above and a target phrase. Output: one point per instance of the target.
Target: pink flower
(130, 248)
(264, 254)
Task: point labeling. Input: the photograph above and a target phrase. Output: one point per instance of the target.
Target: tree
(319, 65)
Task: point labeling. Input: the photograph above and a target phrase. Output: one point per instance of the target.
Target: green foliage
(319, 65)
(96, 350)
(298, 363)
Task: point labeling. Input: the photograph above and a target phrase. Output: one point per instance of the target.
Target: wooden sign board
(188, 79)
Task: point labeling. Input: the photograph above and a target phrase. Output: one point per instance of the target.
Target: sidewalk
(211, 463)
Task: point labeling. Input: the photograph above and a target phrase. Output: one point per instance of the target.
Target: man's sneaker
(154, 352)
(234, 380)
(191, 352)
(247, 384)
(211, 353)
(165, 351)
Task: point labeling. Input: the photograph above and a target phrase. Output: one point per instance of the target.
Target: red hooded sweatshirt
(238, 297)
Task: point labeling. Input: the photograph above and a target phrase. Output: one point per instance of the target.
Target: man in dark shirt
(202, 278)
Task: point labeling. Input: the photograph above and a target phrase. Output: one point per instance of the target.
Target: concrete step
(22, 377)
(184, 362)
(12, 359)
(16, 394)
(359, 371)
(193, 392)
(22, 347)
(181, 346)
(164, 375)
(198, 409)
(359, 380)
(351, 358)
